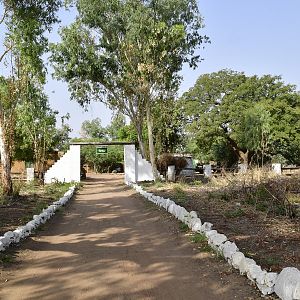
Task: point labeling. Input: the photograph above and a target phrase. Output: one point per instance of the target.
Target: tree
(36, 127)
(117, 123)
(93, 129)
(168, 127)
(62, 135)
(128, 54)
(24, 25)
(250, 114)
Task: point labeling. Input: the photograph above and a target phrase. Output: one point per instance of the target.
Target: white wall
(130, 167)
(144, 168)
(136, 168)
(67, 168)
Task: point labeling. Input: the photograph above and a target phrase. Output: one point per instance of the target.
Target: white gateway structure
(67, 168)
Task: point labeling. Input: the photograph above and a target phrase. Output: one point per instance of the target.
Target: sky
(251, 36)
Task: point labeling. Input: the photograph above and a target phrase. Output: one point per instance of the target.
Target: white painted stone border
(14, 237)
(286, 284)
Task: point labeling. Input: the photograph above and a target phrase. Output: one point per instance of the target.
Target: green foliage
(183, 227)
(254, 116)
(24, 24)
(93, 129)
(6, 258)
(36, 132)
(115, 127)
(198, 237)
(179, 194)
(57, 189)
(128, 54)
(168, 127)
(102, 162)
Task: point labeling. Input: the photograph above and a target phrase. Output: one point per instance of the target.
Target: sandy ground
(109, 243)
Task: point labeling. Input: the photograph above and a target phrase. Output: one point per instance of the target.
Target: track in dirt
(110, 244)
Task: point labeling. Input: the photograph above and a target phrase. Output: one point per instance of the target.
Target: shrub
(167, 159)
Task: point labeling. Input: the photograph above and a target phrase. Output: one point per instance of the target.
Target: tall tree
(128, 54)
(36, 127)
(168, 126)
(24, 25)
(249, 114)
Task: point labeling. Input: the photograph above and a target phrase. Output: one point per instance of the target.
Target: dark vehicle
(82, 173)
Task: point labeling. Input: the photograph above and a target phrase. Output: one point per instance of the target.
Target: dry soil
(109, 243)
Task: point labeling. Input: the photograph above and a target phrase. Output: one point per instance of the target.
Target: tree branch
(4, 15)
(5, 52)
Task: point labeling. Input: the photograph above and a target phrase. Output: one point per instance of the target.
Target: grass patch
(198, 238)
(272, 261)
(179, 194)
(206, 248)
(183, 227)
(6, 258)
(236, 213)
(201, 241)
(197, 183)
(57, 189)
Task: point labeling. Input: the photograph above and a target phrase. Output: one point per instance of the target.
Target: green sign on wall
(101, 150)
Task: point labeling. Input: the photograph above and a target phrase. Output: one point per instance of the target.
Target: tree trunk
(244, 156)
(139, 131)
(5, 164)
(151, 143)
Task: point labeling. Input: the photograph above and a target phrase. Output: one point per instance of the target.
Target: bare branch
(4, 15)
(5, 52)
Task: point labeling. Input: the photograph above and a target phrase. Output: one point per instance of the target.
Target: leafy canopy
(252, 115)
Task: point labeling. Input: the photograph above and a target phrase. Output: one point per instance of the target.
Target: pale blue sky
(257, 37)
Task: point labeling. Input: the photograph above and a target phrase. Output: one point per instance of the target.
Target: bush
(167, 159)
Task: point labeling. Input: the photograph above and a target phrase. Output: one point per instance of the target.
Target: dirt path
(111, 244)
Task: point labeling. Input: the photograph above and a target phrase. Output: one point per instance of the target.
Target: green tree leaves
(257, 117)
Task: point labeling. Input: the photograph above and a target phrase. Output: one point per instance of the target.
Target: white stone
(245, 265)
(177, 211)
(2, 246)
(287, 286)
(195, 221)
(17, 236)
(236, 259)
(254, 271)
(265, 290)
(261, 277)
(187, 220)
(271, 278)
(171, 208)
(206, 226)
(168, 203)
(296, 294)
(196, 227)
(207, 170)
(217, 239)
(182, 214)
(171, 173)
(9, 235)
(5, 241)
(210, 233)
(228, 249)
(193, 214)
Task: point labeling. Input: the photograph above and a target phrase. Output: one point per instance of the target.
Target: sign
(101, 150)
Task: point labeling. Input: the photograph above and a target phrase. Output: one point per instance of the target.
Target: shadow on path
(111, 244)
